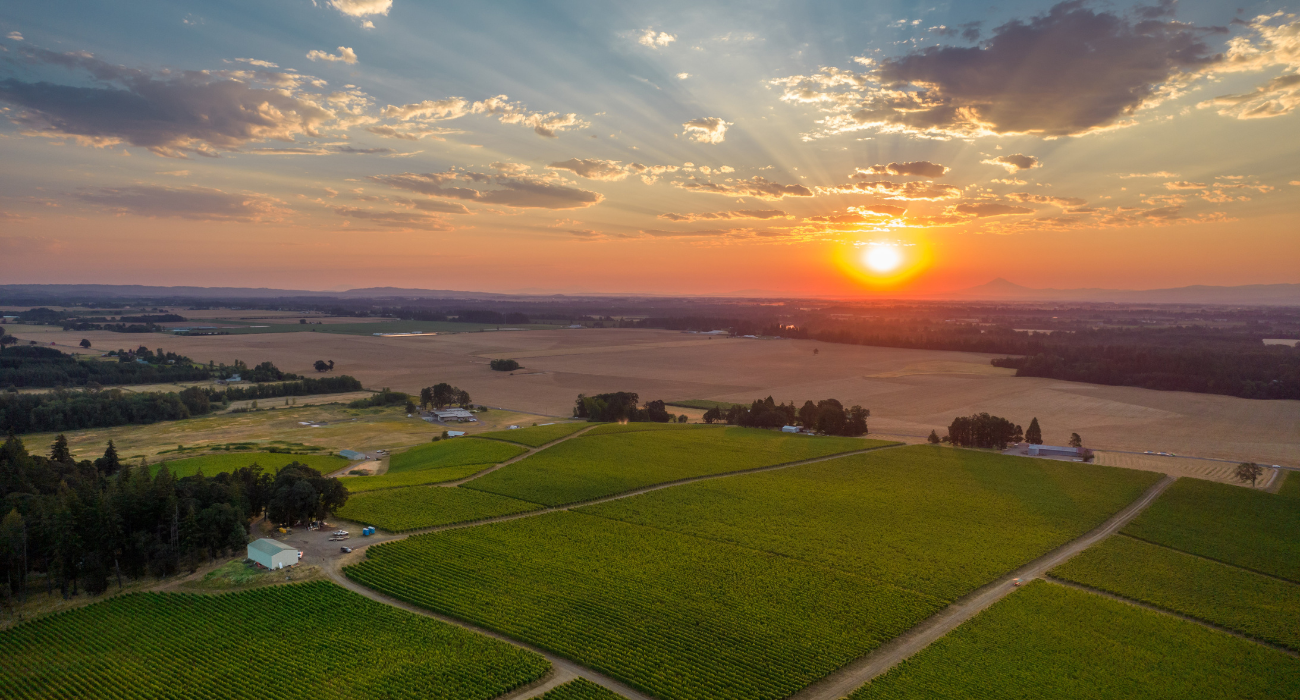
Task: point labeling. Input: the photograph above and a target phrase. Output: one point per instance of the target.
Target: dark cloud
(919, 168)
(736, 214)
(522, 191)
(757, 187)
(197, 203)
(169, 113)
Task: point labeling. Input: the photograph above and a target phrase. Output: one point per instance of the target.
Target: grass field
(242, 645)
(211, 465)
(416, 507)
(1250, 603)
(451, 453)
(590, 466)
(1251, 529)
(537, 435)
(1290, 486)
(679, 617)
(433, 475)
(1050, 641)
(940, 521)
(581, 689)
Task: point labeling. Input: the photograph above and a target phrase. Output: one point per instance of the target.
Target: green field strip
(1259, 606)
(311, 640)
(935, 520)
(672, 615)
(434, 475)
(419, 507)
(1052, 641)
(1253, 530)
(537, 435)
(212, 465)
(451, 453)
(593, 466)
(612, 428)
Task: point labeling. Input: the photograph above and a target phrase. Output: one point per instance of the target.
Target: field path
(512, 460)
(853, 676)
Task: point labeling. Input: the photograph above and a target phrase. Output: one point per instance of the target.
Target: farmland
(591, 466)
(432, 475)
(537, 435)
(221, 646)
(613, 428)
(415, 507)
(269, 461)
(581, 689)
(935, 520)
(676, 616)
(451, 453)
(1241, 600)
(1049, 641)
(1212, 520)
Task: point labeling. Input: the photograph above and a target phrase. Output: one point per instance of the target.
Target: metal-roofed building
(272, 554)
(351, 455)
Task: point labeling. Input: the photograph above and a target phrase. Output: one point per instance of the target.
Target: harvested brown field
(909, 392)
(1209, 470)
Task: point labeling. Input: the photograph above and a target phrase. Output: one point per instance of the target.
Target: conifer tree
(1034, 435)
(59, 450)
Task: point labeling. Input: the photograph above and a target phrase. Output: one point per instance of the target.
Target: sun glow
(883, 258)
(884, 264)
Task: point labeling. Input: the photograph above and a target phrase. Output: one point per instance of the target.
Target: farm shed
(352, 455)
(272, 554)
(789, 428)
(456, 414)
(1052, 451)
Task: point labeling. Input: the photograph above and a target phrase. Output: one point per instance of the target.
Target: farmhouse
(272, 554)
(459, 415)
(1052, 451)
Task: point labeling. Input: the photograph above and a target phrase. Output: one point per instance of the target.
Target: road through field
(853, 676)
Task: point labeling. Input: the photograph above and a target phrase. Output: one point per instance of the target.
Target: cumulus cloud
(257, 62)
(736, 214)
(593, 169)
(1272, 42)
(683, 76)
(916, 190)
(170, 113)
(546, 124)
(394, 219)
(412, 133)
(757, 187)
(16, 36)
(195, 203)
(706, 129)
(320, 150)
(1070, 71)
(1030, 198)
(648, 37)
(361, 8)
(983, 209)
(345, 55)
(1159, 173)
(520, 191)
(920, 168)
(1014, 163)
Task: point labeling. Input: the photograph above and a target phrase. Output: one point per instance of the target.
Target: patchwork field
(1049, 641)
(756, 585)
(1253, 604)
(1250, 529)
(416, 507)
(214, 464)
(601, 464)
(1205, 469)
(909, 392)
(537, 435)
(240, 645)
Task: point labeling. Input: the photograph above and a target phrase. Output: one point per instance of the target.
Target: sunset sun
(883, 258)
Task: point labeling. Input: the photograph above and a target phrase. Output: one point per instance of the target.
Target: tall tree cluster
(984, 430)
(827, 416)
(442, 395)
(620, 406)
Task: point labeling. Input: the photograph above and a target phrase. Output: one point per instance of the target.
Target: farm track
(847, 679)
(516, 458)
(1163, 611)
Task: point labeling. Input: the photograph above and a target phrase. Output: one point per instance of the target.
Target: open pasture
(269, 461)
(936, 520)
(679, 617)
(537, 435)
(451, 453)
(1253, 604)
(416, 507)
(241, 645)
(1050, 641)
(909, 392)
(1205, 469)
(1250, 529)
(591, 466)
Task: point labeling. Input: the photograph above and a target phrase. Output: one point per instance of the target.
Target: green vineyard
(309, 641)
(453, 453)
(537, 435)
(581, 689)
(433, 475)
(417, 507)
(1049, 641)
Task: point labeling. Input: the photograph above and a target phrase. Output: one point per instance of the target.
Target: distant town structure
(272, 554)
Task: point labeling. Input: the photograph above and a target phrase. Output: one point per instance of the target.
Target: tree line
(30, 366)
(620, 406)
(827, 416)
(87, 524)
(442, 395)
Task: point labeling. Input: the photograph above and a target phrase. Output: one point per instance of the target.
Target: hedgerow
(278, 641)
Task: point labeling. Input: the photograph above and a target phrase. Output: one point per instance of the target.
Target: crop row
(591, 466)
(281, 641)
(435, 475)
(678, 617)
(1250, 603)
(537, 435)
(1049, 641)
(1251, 529)
(452, 453)
(581, 689)
(417, 507)
(936, 520)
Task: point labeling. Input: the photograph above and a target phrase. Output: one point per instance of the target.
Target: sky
(824, 148)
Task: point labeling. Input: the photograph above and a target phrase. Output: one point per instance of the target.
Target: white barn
(272, 554)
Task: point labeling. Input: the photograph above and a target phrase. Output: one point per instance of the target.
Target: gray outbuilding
(272, 554)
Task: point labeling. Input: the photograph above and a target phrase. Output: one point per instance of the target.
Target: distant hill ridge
(1255, 294)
